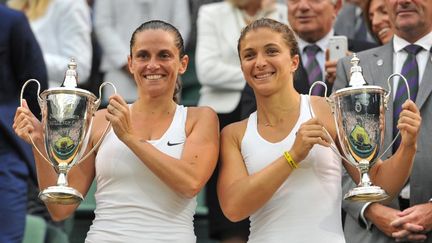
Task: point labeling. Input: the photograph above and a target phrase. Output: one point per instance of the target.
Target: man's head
(311, 20)
(411, 18)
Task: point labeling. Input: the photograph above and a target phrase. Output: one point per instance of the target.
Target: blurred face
(412, 18)
(311, 20)
(380, 22)
(266, 61)
(155, 62)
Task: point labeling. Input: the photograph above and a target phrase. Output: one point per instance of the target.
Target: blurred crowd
(97, 35)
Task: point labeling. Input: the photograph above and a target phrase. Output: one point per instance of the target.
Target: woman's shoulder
(235, 129)
(202, 115)
(321, 106)
(201, 112)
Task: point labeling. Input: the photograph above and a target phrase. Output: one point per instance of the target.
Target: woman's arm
(241, 194)
(187, 175)
(392, 173)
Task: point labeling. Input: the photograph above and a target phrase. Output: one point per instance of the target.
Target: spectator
(20, 59)
(378, 222)
(312, 23)
(62, 28)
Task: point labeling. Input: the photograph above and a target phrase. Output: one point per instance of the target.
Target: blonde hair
(32, 8)
(238, 3)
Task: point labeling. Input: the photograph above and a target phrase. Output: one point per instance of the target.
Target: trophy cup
(67, 115)
(359, 114)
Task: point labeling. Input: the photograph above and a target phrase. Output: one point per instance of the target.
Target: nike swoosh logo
(173, 144)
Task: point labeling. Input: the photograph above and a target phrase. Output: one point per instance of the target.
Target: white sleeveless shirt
(133, 204)
(307, 206)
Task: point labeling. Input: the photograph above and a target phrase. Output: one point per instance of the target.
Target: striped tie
(313, 69)
(411, 73)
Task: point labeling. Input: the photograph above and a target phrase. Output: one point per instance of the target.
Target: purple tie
(411, 73)
(313, 69)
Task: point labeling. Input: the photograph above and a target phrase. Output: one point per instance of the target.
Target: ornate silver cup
(359, 114)
(67, 114)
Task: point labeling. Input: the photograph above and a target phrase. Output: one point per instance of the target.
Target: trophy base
(61, 195)
(366, 194)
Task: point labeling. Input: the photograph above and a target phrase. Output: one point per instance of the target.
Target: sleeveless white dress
(134, 205)
(307, 206)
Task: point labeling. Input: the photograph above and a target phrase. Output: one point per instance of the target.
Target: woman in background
(378, 21)
(63, 30)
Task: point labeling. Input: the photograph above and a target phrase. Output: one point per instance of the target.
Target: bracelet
(290, 160)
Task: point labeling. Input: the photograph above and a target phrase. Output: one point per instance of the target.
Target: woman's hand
(119, 115)
(310, 133)
(26, 124)
(409, 123)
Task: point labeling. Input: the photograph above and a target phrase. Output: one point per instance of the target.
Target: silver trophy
(67, 115)
(359, 114)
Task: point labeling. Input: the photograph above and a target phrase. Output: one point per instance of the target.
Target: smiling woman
(291, 185)
(377, 18)
(155, 159)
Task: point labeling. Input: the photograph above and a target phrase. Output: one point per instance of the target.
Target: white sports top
(307, 206)
(134, 205)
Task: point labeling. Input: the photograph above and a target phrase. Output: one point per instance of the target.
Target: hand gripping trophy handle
(67, 116)
(358, 111)
(97, 104)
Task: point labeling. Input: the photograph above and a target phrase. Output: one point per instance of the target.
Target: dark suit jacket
(20, 60)
(248, 103)
(377, 65)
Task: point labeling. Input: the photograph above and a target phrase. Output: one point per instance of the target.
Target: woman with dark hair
(377, 19)
(277, 167)
(155, 159)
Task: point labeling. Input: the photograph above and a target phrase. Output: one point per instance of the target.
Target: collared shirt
(399, 55)
(320, 56)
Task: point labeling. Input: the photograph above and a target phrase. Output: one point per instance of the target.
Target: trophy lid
(71, 75)
(357, 79)
(69, 85)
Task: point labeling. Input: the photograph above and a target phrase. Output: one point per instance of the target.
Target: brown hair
(283, 29)
(179, 43)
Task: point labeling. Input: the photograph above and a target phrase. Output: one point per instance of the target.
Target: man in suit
(20, 60)
(378, 222)
(312, 22)
(351, 22)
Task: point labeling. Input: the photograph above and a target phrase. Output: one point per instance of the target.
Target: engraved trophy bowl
(67, 115)
(359, 114)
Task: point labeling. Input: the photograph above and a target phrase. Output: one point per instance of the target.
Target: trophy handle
(40, 104)
(95, 107)
(318, 83)
(387, 99)
(331, 103)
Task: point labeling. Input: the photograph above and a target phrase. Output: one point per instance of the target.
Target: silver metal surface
(67, 115)
(358, 111)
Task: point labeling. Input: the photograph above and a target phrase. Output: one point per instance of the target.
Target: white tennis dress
(307, 207)
(133, 205)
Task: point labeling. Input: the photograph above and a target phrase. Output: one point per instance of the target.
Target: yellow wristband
(290, 160)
